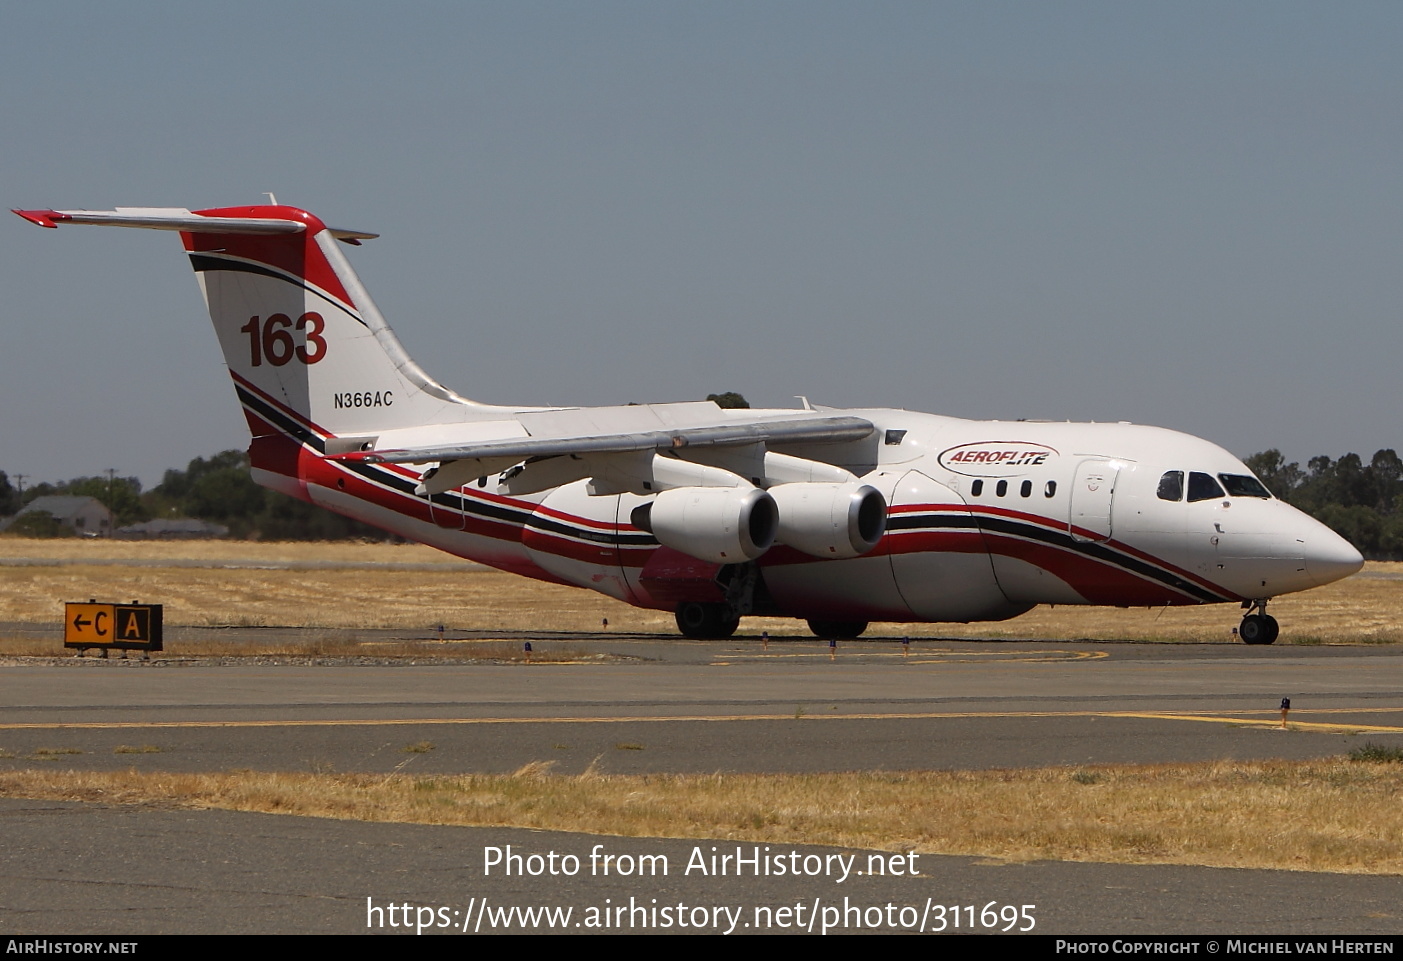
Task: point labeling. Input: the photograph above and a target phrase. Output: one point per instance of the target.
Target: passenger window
(1203, 487)
(976, 488)
(1026, 490)
(1171, 485)
(1050, 488)
(1001, 488)
(1244, 485)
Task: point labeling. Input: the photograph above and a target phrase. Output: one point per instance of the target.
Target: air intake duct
(724, 525)
(830, 520)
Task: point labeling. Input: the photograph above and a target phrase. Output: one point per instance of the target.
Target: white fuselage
(985, 520)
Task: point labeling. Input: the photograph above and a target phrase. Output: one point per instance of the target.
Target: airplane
(836, 517)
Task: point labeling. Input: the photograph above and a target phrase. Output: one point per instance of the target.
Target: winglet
(44, 218)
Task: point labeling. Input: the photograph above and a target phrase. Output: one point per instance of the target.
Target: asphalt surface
(80, 869)
(654, 705)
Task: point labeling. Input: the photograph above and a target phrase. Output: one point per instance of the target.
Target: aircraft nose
(1329, 557)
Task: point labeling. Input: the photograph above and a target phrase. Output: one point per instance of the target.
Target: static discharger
(125, 627)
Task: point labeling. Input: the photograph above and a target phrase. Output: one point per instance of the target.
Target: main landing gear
(1258, 627)
(702, 621)
(837, 630)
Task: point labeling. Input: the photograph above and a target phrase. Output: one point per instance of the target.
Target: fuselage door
(1093, 491)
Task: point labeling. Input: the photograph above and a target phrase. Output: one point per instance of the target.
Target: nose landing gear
(1258, 627)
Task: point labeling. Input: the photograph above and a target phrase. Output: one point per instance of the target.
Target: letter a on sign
(131, 627)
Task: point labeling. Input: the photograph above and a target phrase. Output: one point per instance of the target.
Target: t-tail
(316, 367)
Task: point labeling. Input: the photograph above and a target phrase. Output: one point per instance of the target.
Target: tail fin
(299, 333)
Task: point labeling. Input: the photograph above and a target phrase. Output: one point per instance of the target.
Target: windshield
(1202, 487)
(1171, 485)
(1244, 485)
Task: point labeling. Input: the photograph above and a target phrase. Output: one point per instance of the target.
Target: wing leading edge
(708, 454)
(810, 430)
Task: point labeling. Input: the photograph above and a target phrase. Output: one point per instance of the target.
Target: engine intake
(830, 520)
(724, 525)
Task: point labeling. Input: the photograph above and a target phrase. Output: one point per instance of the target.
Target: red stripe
(296, 254)
(1096, 581)
(1059, 526)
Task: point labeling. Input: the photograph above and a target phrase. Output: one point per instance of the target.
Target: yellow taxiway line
(1262, 719)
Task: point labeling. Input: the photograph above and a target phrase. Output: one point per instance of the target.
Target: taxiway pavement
(654, 704)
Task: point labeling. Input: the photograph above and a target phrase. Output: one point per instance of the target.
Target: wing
(697, 443)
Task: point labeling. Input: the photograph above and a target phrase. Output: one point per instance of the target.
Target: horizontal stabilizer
(178, 218)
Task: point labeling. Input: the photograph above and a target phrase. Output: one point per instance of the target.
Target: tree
(730, 399)
(1361, 502)
(9, 497)
(221, 489)
(1271, 469)
(120, 495)
(38, 524)
(1387, 471)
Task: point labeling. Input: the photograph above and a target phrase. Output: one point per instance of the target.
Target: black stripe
(550, 525)
(1098, 551)
(1001, 525)
(203, 262)
(515, 516)
(278, 419)
(455, 502)
(950, 521)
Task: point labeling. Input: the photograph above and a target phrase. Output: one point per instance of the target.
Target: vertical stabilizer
(310, 354)
(297, 328)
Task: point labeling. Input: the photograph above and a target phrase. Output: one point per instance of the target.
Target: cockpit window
(1244, 485)
(1171, 485)
(1203, 487)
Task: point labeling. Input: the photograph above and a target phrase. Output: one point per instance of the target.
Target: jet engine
(724, 525)
(830, 520)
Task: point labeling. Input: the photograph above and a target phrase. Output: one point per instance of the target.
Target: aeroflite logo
(996, 458)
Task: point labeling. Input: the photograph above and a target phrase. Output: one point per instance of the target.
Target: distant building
(85, 516)
(171, 529)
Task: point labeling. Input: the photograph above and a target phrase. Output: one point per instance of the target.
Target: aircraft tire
(1258, 629)
(1273, 629)
(837, 630)
(705, 622)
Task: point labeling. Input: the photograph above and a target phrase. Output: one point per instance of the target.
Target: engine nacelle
(724, 525)
(830, 520)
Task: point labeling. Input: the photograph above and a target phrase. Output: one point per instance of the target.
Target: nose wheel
(1258, 627)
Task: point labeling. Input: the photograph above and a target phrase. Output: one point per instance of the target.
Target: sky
(1181, 214)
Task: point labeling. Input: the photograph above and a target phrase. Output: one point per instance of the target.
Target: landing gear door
(447, 509)
(1093, 491)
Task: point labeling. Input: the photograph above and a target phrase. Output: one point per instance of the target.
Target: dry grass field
(376, 592)
(75, 550)
(1339, 815)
